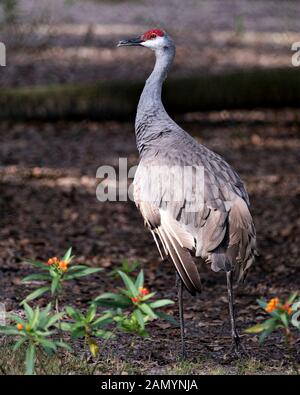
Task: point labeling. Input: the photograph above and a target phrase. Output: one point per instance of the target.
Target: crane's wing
(210, 216)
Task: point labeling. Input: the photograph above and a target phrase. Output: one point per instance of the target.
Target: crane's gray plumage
(220, 230)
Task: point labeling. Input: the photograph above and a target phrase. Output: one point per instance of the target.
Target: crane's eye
(152, 35)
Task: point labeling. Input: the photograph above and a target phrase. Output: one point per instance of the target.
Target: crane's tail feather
(182, 261)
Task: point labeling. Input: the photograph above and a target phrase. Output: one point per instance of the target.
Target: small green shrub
(284, 316)
(133, 306)
(35, 332)
(42, 330)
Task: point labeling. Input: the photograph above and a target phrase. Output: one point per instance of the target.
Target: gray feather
(220, 230)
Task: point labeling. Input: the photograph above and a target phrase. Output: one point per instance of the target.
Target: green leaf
(103, 320)
(36, 277)
(48, 344)
(82, 273)
(9, 330)
(140, 280)
(66, 326)
(112, 300)
(41, 265)
(44, 315)
(129, 284)
(35, 294)
(266, 325)
(147, 310)
(55, 284)
(19, 343)
(43, 333)
(167, 317)
(91, 313)
(16, 318)
(79, 332)
(28, 310)
(275, 314)
(262, 303)
(53, 319)
(75, 314)
(65, 345)
(292, 297)
(284, 319)
(140, 318)
(160, 303)
(67, 255)
(104, 334)
(255, 329)
(30, 359)
(265, 334)
(149, 296)
(76, 267)
(35, 318)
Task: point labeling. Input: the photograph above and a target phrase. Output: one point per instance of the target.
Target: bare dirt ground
(75, 42)
(48, 203)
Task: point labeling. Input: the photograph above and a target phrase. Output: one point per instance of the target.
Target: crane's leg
(179, 286)
(235, 336)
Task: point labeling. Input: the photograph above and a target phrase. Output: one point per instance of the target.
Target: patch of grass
(248, 366)
(12, 364)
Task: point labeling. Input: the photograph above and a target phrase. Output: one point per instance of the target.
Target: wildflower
(272, 305)
(52, 261)
(63, 265)
(135, 300)
(287, 308)
(143, 291)
(20, 326)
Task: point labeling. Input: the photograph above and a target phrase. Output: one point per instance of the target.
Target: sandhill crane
(218, 227)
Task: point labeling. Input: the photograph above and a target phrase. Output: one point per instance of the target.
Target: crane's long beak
(131, 42)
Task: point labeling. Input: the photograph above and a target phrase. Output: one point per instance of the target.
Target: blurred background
(73, 41)
(67, 103)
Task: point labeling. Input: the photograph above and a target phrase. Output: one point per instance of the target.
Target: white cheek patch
(157, 42)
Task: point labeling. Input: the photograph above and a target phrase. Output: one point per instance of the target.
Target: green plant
(129, 310)
(125, 267)
(56, 272)
(34, 332)
(89, 326)
(282, 318)
(133, 305)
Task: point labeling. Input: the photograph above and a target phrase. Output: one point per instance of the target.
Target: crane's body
(218, 228)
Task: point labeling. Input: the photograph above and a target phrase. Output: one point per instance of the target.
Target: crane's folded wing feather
(217, 227)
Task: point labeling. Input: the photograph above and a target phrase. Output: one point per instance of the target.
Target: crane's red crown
(151, 34)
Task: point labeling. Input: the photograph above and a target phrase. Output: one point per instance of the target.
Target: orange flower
(272, 305)
(20, 326)
(135, 300)
(287, 308)
(143, 291)
(63, 265)
(52, 261)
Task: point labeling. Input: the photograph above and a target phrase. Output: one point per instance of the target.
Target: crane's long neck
(150, 111)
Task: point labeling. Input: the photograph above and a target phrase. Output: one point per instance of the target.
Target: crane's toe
(237, 349)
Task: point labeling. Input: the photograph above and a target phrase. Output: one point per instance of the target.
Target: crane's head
(154, 39)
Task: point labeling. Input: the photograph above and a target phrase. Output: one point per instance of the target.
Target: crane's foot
(237, 349)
